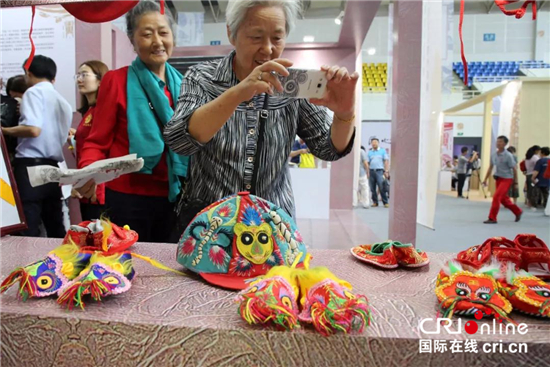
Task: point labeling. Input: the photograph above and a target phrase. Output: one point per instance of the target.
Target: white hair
(236, 12)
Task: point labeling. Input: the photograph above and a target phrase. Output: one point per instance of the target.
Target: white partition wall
(311, 192)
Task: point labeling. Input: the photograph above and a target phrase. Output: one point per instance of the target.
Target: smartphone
(302, 83)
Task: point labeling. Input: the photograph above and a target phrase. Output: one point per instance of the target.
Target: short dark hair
(42, 67)
(375, 139)
(362, 147)
(16, 84)
(464, 149)
(531, 151)
(545, 150)
(503, 138)
(455, 157)
(145, 7)
(511, 149)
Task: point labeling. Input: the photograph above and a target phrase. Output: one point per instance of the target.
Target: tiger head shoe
(379, 254)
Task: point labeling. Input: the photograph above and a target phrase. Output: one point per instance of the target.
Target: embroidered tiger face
(255, 243)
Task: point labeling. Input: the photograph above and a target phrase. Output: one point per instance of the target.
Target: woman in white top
(531, 158)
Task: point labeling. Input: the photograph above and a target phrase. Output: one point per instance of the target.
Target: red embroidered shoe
(90, 236)
(501, 248)
(535, 255)
(526, 293)
(85, 234)
(379, 254)
(408, 256)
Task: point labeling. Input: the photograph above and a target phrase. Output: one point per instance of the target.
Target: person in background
(224, 102)
(547, 176)
(88, 79)
(43, 127)
(513, 192)
(453, 167)
(505, 175)
(541, 182)
(10, 110)
(531, 157)
(462, 168)
(298, 148)
(363, 195)
(378, 169)
(132, 108)
(449, 167)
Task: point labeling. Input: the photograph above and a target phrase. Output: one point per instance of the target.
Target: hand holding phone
(303, 83)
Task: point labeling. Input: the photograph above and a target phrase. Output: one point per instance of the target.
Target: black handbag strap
(261, 128)
(157, 119)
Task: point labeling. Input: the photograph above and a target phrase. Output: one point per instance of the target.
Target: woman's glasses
(83, 76)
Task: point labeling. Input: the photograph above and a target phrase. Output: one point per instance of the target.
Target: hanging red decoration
(518, 13)
(99, 11)
(33, 49)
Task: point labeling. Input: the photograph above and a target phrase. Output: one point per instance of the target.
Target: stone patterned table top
(165, 319)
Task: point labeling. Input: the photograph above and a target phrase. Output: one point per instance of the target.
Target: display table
(169, 320)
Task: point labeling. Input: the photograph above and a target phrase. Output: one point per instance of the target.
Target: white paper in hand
(101, 171)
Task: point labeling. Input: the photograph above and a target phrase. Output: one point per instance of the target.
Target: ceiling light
(371, 51)
(309, 38)
(339, 18)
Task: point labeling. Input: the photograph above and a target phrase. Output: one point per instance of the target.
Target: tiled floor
(458, 225)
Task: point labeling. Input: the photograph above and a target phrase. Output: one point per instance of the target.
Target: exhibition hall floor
(458, 224)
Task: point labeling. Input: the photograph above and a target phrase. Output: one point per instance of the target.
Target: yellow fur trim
(282, 271)
(308, 278)
(69, 254)
(107, 229)
(113, 261)
(157, 264)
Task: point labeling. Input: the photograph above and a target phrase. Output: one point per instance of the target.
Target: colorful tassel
(106, 275)
(45, 277)
(331, 308)
(271, 300)
(26, 287)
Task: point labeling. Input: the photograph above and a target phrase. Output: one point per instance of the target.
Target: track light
(339, 18)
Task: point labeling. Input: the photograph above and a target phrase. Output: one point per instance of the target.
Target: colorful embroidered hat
(237, 238)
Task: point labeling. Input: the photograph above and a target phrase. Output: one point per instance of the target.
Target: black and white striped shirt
(224, 165)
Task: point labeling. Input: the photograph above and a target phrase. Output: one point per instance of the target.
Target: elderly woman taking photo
(133, 106)
(221, 104)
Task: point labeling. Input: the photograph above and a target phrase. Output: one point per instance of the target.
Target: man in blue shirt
(378, 167)
(299, 147)
(542, 183)
(505, 175)
(43, 129)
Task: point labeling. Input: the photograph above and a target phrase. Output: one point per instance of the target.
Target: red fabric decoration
(99, 11)
(162, 7)
(518, 13)
(33, 49)
(462, 55)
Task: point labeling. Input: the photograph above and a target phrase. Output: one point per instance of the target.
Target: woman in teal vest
(134, 104)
